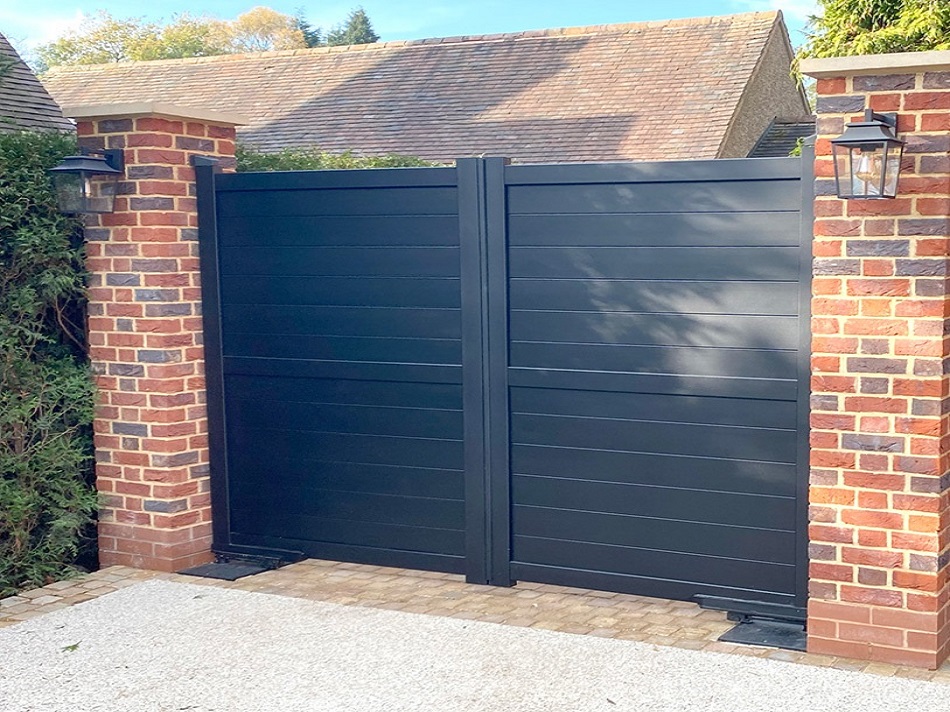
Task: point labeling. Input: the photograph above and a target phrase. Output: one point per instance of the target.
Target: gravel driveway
(170, 646)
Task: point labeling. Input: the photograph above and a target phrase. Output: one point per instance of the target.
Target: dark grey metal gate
(593, 375)
(334, 372)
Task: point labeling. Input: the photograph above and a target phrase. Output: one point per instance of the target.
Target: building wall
(771, 92)
(880, 487)
(146, 337)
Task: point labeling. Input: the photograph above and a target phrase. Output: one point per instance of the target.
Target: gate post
(145, 335)
(880, 420)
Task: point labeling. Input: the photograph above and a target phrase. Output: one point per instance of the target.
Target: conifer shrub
(47, 498)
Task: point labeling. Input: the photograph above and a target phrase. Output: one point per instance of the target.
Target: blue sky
(30, 22)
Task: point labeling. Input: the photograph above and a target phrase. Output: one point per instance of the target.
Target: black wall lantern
(87, 183)
(868, 157)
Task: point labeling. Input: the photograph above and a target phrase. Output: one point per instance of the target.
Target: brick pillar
(145, 336)
(880, 413)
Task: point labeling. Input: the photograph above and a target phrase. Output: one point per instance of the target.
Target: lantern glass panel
(892, 169)
(100, 193)
(867, 167)
(69, 192)
(84, 192)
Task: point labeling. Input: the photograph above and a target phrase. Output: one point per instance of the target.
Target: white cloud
(29, 29)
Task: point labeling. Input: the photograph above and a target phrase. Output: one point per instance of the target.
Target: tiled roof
(24, 103)
(650, 90)
(782, 135)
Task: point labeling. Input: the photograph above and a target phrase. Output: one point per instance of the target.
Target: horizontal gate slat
(734, 264)
(288, 472)
(342, 321)
(338, 418)
(651, 406)
(368, 507)
(640, 585)
(715, 474)
(332, 179)
(254, 521)
(435, 396)
(692, 569)
(343, 348)
(664, 230)
(736, 196)
(655, 437)
(341, 261)
(760, 388)
(652, 296)
(352, 230)
(369, 449)
(340, 291)
(693, 505)
(702, 361)
(717, 170)
(733, 331)
(340, 369)
(729, 542)
(342, 201)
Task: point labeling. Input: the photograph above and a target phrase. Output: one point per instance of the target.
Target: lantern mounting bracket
(115, 157)
(888, 119)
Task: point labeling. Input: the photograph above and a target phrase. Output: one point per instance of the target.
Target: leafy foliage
(103, 38)
(312, 159)
(185, 36)
(46, 393)
(356, 30)
(261, 29)
(849, 27)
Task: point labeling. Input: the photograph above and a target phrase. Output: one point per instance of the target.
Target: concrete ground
(585, 616)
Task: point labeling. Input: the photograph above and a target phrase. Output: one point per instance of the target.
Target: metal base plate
(226, 571)
(773, 634)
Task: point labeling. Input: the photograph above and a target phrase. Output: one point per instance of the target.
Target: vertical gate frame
(804, 367)
(484, 277)
(205, 171)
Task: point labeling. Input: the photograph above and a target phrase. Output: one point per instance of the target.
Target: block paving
(569, 610)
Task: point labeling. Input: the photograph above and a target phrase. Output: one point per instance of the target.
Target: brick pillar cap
(877, 64)
(131, 110)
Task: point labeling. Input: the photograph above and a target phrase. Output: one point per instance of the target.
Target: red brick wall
(880, 418)
(146, 344)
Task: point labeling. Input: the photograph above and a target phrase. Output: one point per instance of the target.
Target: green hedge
(311, 159)
(47, 502)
